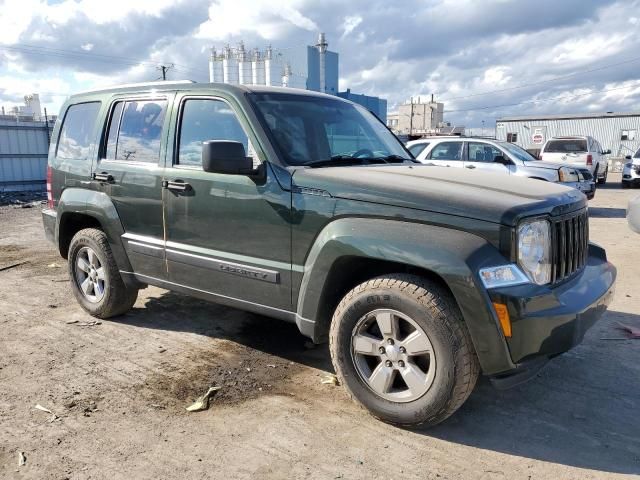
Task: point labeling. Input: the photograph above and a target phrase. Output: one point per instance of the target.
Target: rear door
(129, 171)
(446, 154)
(227, 235)
(482, 156)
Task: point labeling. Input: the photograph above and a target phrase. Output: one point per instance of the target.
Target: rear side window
(76, 135)
(206, 119)
(417, 149)
(135, 129)
(566, 146)
(447, 151)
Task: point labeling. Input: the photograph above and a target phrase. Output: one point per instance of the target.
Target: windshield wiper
(397, 159)
(347, 160)
(343, 160)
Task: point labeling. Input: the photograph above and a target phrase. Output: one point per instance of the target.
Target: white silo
(272, 69)
(244, 66)
(229, 66)
(257, 68)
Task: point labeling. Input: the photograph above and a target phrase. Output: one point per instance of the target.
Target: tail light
(589, 159)
(49, 191)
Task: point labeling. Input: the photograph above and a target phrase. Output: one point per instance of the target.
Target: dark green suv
(304, 207)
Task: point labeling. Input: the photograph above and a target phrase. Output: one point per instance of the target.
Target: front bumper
(49, 218)
(547, 321)
(588, 187)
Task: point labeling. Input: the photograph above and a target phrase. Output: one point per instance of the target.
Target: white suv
(578, 151)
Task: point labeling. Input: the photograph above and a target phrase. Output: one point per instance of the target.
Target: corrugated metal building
(24, 145)
(616, 131)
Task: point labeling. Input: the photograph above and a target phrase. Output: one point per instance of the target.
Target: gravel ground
(119, 389)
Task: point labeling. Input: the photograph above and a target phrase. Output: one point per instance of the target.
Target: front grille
(570, 245)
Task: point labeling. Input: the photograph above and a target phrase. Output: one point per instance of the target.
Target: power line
(542, 82)
(61, 53)
(164, 69)
(566, 97)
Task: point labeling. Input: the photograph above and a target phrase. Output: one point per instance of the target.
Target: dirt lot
(120, 388)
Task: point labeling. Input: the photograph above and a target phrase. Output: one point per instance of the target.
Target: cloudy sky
(484, 59)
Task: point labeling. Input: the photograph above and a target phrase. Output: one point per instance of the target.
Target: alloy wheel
(393, 355)
(90, 275)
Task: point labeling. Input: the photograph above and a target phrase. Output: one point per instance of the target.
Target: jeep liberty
(304, 207)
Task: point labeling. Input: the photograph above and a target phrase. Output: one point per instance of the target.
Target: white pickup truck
(578, 151)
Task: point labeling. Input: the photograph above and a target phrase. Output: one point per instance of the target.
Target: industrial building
(24, 146)
(416, 119)
(319, 71)
(615, 131)
(376, 105)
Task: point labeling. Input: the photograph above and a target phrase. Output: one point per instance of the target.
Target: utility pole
(411, 119)
(164, 69)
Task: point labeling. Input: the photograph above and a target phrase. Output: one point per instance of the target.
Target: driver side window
(207, 119)
(483, 152)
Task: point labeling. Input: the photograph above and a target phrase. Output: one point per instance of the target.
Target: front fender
(99, 206)
(453, 255)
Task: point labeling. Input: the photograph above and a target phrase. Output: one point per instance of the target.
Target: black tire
(603, 180)
(626, 185)
(436, 312)
(117, 298)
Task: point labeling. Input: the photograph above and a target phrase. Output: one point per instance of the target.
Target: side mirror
(606, 152)
(501, 159)
(628, 157)
(225, 156)
(633, 214)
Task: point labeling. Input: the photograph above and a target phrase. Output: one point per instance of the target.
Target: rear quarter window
(566, 146)
(77, 135)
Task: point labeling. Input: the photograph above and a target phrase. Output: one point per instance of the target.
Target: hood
(545, 164)
(484, 196)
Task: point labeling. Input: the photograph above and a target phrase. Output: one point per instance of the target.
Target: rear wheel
(95, 278)
(400, 347)
(602, 180)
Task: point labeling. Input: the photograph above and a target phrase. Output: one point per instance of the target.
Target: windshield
(517, 152)
(310, 130)
(417, 148)
(566, 146)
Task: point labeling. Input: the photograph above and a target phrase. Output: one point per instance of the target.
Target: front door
(129, 171)
(227, 235)
(446, 154)
(482, 156)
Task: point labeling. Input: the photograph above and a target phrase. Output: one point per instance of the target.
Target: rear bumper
(549, 321)
(49, 218)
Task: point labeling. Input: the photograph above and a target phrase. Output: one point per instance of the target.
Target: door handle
(178, 185)
(103, 177)
(470, 166)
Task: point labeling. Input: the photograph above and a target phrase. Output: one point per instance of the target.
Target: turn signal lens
(503, 316)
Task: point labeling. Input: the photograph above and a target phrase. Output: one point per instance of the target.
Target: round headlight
(534, 251)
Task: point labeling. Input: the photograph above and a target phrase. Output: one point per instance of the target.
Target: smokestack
(322, 46)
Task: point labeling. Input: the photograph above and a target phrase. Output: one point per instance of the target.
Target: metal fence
(24, 145)
(618, 132)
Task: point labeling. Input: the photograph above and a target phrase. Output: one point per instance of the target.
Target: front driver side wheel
(401, 349)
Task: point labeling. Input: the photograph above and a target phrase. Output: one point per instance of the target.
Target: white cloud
(350, 23)
(233, 17)
(87, 47)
